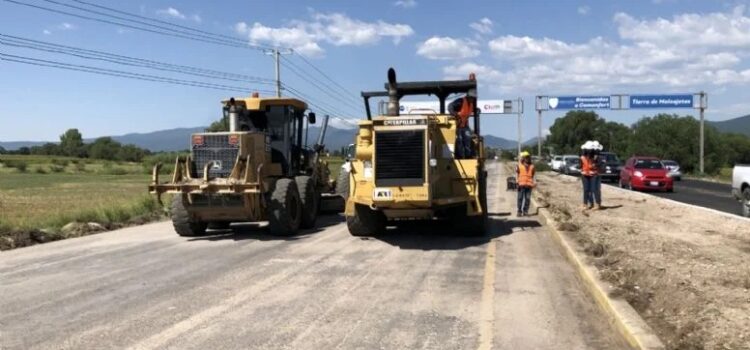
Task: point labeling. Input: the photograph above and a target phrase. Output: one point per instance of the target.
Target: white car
(557, 163)
(741, 187)
(674, 169)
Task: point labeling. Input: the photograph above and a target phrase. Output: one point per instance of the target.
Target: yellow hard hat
(525, 154)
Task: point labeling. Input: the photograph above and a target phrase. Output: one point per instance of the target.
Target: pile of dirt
(18, 238)
(685, 270)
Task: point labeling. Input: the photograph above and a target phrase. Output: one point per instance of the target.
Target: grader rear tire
(365, 222)
(342, 184)
(284, 209)
(183, 223)
(310, 199)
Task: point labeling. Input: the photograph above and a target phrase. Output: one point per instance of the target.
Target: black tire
(284, 208)
(365, 222)
(310, 199)
(183, 223)
(746, 202)
(342, 184)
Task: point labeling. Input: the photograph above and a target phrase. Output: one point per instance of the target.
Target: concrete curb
(621, 315)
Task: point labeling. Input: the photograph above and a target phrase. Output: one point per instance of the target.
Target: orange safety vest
(525, 175)
(588, 167)
(467, 109)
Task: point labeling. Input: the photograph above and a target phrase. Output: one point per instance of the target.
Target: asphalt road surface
(706, 194)
(415, 287)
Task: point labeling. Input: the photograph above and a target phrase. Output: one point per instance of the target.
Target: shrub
(60, 162)
(56, 168)
(18, 164)
(542, 166)
(40, 170)
(80, 167)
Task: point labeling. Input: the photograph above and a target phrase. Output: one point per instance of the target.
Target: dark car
(646, 173)
(571, 166)
(609, 167)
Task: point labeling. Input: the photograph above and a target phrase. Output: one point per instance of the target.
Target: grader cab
(405, 166)
(260, 170)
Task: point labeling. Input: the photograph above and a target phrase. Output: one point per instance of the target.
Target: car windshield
(610, 158)
(648, 164)
(572, 161)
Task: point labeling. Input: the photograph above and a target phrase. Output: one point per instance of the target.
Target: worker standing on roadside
(462, 109)
(592, 185)
(525, 179)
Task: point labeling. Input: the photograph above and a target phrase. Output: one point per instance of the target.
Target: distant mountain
(163, 140)
(178, 139)
(739, 125)
(14, 145)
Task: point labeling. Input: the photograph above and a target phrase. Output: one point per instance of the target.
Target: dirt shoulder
(685, 270)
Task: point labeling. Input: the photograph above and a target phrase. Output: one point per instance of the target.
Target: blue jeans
(592, 190)
(524, 199)
(463, 143)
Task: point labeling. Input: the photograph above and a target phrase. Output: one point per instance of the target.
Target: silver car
(674, 169)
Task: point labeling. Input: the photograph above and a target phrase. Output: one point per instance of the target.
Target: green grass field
(68, 189)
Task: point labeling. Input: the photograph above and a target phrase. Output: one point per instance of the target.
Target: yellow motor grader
(260, 170)
(405, 168)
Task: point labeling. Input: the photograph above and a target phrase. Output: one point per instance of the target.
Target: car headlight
(638, 174)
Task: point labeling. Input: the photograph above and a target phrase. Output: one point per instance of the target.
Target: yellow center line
(486, 313)
(487, 306)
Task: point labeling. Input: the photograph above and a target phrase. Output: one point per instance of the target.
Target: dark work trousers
(463, 143)
(592, 190)
(524, 199)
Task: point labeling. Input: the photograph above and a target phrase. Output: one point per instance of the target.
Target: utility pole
(702, 108)
(520, 136)
(276, 53)
(539, 136)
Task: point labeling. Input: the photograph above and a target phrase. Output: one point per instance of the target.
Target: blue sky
(516, 48)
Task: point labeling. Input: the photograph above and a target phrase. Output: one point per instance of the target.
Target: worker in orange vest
(592, 184)
(462, 109)
(525, 179)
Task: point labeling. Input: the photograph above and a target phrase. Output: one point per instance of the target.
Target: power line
(304, 59)
(336, 96)
(317, 103)
(231, 40)
(173, 33)
(163, 22)
(121, 74)
(15, 41)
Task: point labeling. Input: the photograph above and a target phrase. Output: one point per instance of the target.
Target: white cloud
(47, 32)
(482, 72)
(171, 12)
(334, 28)
(66, 26)
(175, 13)
(405, 3)
(584, 10)
(447, 48)
(686, 53)
(483, 26)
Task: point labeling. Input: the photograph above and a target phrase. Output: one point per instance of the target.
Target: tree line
(72, 145)
(667, 136)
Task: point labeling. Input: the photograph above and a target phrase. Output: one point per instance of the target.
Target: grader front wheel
(284, 209)
(183, 223)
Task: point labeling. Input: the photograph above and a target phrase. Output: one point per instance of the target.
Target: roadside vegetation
(45, 198)
(667, 136)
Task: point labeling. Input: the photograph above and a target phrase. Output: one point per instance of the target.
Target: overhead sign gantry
(697, 101)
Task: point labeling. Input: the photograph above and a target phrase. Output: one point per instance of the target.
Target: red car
(645, 173)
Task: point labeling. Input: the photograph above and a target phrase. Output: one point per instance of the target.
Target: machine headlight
(638, 174)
